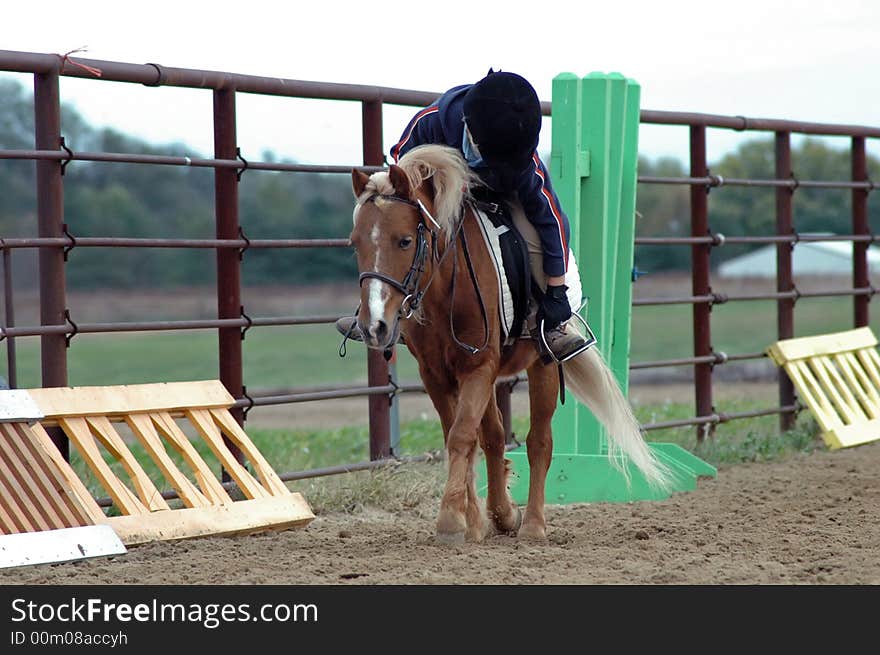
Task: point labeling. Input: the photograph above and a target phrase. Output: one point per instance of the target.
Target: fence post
(9, 319)
(861, 273)
(784, 271)
(228, 264)
(594, 169)
(700, 285)
(378, 373)
(50, 220)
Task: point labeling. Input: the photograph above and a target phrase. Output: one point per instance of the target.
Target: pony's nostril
(374, 331)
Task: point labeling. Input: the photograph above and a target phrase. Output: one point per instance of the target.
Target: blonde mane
(449, 175)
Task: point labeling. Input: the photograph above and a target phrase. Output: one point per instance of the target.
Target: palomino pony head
(402, 216)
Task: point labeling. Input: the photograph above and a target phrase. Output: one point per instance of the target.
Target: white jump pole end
(61, 545)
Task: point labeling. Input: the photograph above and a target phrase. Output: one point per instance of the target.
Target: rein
(409, 286)
(467, 258)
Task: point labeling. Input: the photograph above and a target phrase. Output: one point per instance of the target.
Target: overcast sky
(809, 60)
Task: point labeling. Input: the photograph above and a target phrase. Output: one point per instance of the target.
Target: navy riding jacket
(442, 123)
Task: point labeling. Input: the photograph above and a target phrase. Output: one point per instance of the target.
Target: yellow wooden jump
(838, 376)
(39, 489)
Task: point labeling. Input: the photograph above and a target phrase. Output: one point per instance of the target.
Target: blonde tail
(590, 379)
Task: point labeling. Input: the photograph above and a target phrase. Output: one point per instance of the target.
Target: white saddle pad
(490, 236)
(505, 307)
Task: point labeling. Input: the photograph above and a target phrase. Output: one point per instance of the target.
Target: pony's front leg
(474, 394)
(442, 395)
(543, 390)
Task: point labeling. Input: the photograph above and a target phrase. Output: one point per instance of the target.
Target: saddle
(510, 255)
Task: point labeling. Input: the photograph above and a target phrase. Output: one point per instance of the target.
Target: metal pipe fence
(58, 323)
(703, 240)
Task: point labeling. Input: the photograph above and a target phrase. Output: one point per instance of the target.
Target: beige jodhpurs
(536, 261)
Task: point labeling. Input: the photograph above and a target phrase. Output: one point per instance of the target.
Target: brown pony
(426, 274)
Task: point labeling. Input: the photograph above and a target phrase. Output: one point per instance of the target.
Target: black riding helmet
(503, 114)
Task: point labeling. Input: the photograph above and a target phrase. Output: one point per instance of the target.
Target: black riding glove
(554, 308)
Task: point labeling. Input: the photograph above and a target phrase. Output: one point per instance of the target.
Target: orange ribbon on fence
(91, 69)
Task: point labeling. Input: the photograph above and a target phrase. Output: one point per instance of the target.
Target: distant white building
(808, 258)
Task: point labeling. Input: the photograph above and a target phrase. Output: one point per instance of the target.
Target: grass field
(297, 356)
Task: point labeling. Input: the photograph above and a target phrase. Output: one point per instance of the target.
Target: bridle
(409, 286)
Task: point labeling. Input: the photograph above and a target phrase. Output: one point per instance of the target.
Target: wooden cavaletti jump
(40, 491)
(838, 376)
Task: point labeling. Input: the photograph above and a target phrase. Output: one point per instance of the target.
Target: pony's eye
(405, 242)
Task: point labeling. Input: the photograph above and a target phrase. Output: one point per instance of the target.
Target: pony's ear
(359, 181)
(399, 180)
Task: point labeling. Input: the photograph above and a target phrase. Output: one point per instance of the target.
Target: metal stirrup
(590, 340)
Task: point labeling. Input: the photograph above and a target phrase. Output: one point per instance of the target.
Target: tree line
(134, 200)
(741, 210)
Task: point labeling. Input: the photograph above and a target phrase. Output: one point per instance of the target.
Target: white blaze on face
(375, 233)
(379, 294)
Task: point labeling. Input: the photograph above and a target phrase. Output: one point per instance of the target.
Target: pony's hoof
(450, 538)
(533, 531)
(510, 524)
